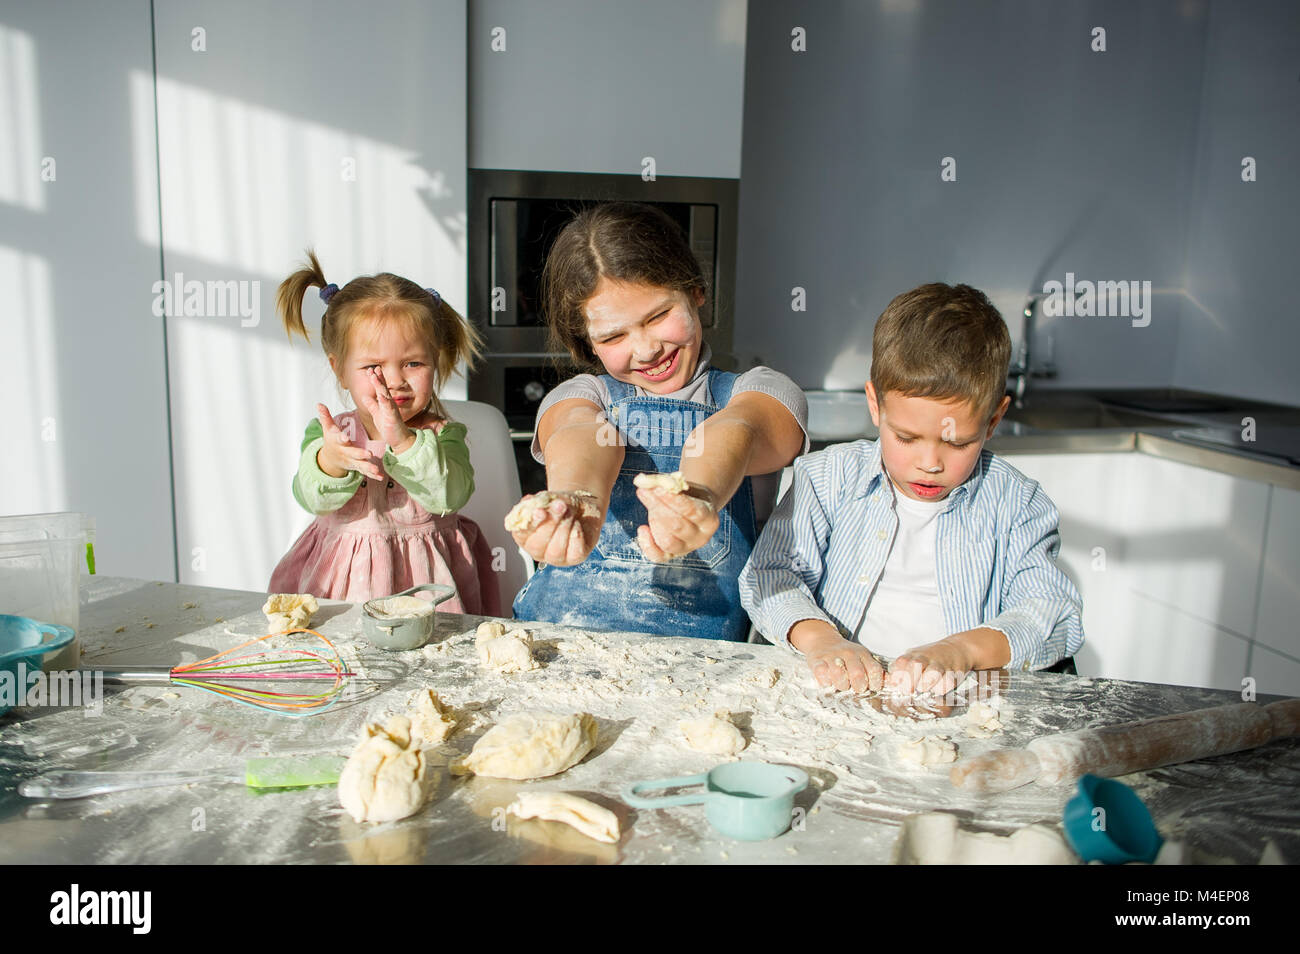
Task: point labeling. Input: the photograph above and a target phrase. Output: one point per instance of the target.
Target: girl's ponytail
(288, 298)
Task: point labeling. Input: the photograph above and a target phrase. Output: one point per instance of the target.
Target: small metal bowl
(397, 634)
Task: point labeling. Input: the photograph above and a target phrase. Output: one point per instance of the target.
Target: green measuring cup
(748, 801)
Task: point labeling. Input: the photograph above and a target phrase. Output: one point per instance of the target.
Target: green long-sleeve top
(435, 471)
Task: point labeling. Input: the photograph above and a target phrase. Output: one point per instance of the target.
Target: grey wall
(587, 86)
(1067, 160)
(83, 386)
(1239, 333)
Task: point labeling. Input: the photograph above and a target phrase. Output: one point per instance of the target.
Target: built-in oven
(514, 218)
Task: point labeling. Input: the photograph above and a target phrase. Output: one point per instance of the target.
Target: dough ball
(928, 750)
(489, 630)
(289, 611)
(674, 483)
(529, 512)
(507, 653)
(982, 720)
(530, 745)
(383, 779)
(431, 720)
(713, 735)
(587, 817)
(934, 838)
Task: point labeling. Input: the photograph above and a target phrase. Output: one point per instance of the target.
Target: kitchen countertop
(637, 687)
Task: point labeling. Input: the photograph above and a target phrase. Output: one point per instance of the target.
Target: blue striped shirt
(825, 546)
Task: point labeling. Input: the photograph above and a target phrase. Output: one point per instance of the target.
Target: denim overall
(616, 588)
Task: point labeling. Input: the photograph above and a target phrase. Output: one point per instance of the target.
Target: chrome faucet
(1022, 369)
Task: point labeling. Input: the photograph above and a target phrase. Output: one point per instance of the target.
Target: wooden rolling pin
(1131, 747)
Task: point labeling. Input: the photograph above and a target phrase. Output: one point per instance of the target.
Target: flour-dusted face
(929, 446)
(400, 353)
(645, 335)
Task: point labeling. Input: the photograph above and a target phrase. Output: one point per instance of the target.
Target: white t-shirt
(904, 611)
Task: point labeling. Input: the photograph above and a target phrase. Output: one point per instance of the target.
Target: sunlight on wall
(32, 466)
(20, 146)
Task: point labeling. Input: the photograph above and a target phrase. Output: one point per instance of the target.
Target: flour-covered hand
(676, 523)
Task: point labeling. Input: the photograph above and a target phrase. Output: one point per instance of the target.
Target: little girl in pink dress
(385, 481)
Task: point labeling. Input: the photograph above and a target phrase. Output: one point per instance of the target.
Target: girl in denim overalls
(622, 292)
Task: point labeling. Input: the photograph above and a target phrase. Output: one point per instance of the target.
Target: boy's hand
(339, 455)
(936, 667)
(567, 531)
(835, 661)
(677, 524)
(388, 419)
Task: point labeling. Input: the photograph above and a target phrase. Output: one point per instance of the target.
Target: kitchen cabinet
(1168, 560)
(1278, 625)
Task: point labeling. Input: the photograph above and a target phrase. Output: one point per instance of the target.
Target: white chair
(496, 490)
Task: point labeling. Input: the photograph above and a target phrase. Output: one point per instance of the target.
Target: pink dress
(382, 542)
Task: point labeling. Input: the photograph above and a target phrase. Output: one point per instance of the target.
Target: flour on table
(383, 779)
(289, 611)
(927, 750)
(530, 745)
(765, 678)
(587, 817)
(934, 838)
(713, 735)
(673, 483)
(530, 512)
(504, 652)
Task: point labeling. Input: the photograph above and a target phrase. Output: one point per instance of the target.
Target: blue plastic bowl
(1123, 832)
(24, 640)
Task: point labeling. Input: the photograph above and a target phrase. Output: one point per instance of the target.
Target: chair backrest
(496, 489)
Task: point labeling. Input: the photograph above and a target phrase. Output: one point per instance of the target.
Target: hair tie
(437, 299)
(328, 292)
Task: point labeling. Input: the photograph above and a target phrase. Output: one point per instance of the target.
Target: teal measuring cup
(748, 801)
(1107, 822)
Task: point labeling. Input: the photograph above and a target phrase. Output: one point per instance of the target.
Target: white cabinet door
(1278, 625)
(83, 385)
(281, 126)
(1195, 539)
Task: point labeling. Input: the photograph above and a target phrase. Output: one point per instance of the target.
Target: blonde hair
(449, 338)
(942, 341)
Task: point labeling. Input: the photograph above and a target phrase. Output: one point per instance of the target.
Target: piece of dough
(587, 817)
(934, 838)
(504, 652)
(530, 745)
(713, 735)
(383, 779)
(982, 720)
(289, 611)
(431, 720)
(674, 483)
(928, 750)
(530, 512)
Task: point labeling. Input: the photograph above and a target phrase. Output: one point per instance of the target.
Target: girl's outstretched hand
(339, 454)
(388, 419)
(564, 532)
(677, 524)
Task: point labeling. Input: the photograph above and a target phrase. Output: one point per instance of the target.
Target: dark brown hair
(622, 241)
(384, 296)
(942, 341)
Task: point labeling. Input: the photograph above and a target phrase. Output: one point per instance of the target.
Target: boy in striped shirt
(920, 546)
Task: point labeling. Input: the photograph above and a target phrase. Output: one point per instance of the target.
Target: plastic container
(25, 641)
(1120, 833)
(41, 556)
